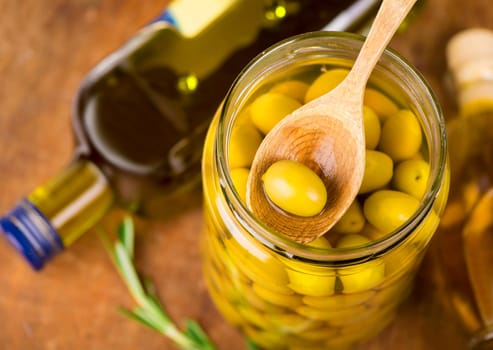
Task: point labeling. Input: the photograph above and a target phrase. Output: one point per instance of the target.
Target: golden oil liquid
(467, 225)
(283, 302)
(74, 200)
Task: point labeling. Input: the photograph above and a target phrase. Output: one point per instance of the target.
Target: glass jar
(464, 279)
(285, 295)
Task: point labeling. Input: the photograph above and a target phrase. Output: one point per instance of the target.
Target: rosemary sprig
(149, 310)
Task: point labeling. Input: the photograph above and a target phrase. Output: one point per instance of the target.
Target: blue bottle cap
(31, 233)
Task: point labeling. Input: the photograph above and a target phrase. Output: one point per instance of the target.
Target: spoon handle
(388, 19)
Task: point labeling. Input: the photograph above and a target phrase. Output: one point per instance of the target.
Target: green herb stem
(149, 310)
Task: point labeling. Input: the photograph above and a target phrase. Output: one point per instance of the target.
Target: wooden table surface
(46, 48)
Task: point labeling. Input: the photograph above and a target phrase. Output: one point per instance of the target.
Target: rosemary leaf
(126, 233)
(149, 311)
(251, 345)
(151, 291)
(129, 275)
(195, 332)
(140, 317)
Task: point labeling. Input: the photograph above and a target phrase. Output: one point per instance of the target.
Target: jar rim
(278, 242)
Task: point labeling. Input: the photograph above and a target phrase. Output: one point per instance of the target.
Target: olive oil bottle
(141, 114)
(466, 240)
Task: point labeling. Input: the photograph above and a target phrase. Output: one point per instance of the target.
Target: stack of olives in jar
(344, 287)
(396, 171)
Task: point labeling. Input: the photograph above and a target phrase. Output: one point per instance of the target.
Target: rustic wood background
(46, 48)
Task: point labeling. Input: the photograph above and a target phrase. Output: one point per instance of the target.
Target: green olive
(253, 315)
(244, 118)
(313, 334)
(372, 127)
(320, 242)
(362, 276)
(295, 188)
(275, 298)
(225, 307)
(387, 210)
(252, 260)
(411, 176)
(335, 318)
(240, 178)
(263, 337)
(380, 103)
(427, 227)
(401, 135)
(351, 241)
(291, 323)
(339, 301)
(293, 88)
(378, 171)
(325, 83)
(243, 144)
(371, 232)
(256, 301)
(307, 279)
(270, 108)
(352, 221)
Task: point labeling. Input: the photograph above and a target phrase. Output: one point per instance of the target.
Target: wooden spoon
(327, 135)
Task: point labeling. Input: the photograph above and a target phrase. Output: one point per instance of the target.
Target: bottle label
(191, 16)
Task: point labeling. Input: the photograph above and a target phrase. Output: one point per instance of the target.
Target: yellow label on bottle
(193, 16)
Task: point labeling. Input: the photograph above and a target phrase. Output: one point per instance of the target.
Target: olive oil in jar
(343, 288)
(467, 225)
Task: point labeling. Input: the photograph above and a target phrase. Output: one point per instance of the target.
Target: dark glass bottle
(141, 114)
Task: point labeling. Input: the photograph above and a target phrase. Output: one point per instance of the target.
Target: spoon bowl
(327, 135)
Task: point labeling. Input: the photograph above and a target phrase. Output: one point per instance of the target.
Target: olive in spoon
(327, 135)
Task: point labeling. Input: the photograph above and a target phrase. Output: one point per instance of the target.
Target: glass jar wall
(465, 279)
(284, 295)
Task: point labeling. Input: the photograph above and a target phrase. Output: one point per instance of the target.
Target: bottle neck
(476, 98)
(58, 212)
(470, 61)
(31, 233)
